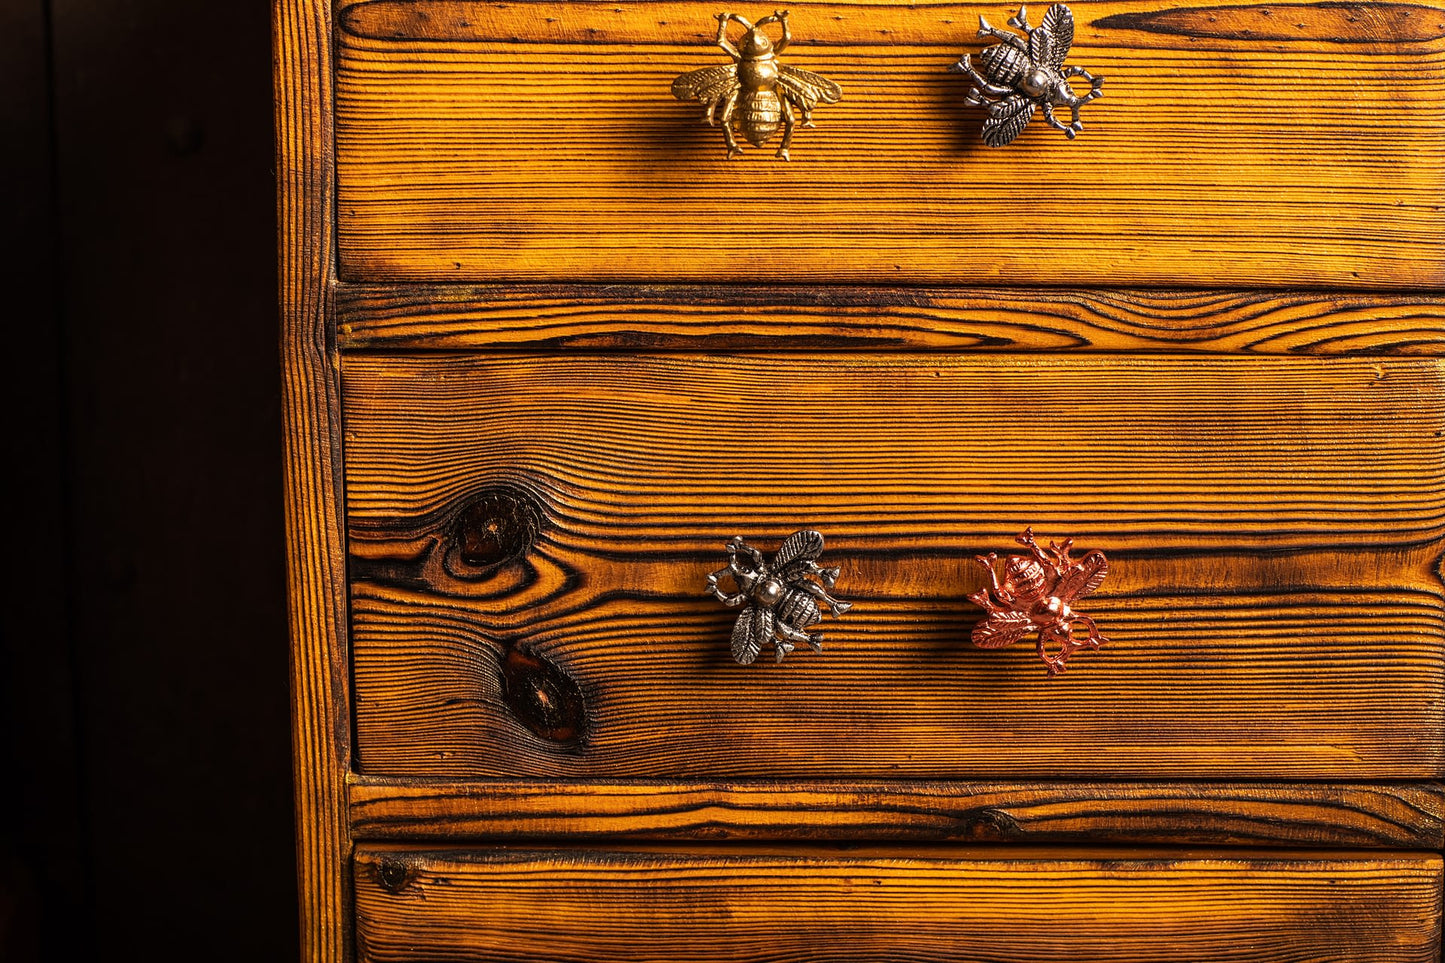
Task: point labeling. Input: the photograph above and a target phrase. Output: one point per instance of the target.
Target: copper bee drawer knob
(1022, 74)
(755, 93)
(1034, 595)
(781, 596)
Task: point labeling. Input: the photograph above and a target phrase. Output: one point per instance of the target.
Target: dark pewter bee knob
(1022, 74)
(1034, 595)
(755, 93)
(780, 597)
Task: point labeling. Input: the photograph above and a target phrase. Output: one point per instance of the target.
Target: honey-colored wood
(1275, 526)
(586, 317)
(919, 904)
(320, 697)
(1237, 144)
(1222, 813)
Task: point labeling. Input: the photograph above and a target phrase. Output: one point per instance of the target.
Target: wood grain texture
(1232, 814)
(315, 555)
(919, 904)
(1237, 144)
(640, 317)
(1275, 527)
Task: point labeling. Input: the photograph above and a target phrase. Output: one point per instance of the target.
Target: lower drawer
(940, 903)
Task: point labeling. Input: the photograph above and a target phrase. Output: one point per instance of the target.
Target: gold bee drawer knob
(1022, 74)
(780, 596)
(1034, 595)
(755, 93)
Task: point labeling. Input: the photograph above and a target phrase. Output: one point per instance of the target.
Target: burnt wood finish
(1237, 144)
(916, 904)
(1232, 814)
(1276, 527)
(641, 317)
(315, 556)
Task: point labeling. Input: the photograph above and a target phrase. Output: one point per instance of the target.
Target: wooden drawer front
(1236, 143)
(928, 904)
(1275, 526)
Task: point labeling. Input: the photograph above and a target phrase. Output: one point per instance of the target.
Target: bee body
(760, 116)
(1004, 64)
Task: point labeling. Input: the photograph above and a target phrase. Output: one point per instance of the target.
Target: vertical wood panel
(313, 523)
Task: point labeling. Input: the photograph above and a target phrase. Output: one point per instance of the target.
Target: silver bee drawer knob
(1021, 74)
(780, 597)
(755, 93)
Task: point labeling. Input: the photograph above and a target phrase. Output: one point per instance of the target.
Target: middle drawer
(530, 538)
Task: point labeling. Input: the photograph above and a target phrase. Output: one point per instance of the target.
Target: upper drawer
(1274, 527)
(1236, 144)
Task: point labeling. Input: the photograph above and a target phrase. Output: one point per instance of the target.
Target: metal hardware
(1034, 596)
(781, 597)
(1021, 74)
(766, 91)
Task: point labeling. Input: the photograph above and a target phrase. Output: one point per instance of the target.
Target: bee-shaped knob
(780, 597)
(755, 93)
(1034, 595)
(1021, 74)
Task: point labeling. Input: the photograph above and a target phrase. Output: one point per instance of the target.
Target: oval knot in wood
(501, 524)
(543, 698)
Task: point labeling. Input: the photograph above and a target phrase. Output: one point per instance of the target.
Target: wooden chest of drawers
(547, 350)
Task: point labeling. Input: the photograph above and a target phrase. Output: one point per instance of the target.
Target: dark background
(146, 774)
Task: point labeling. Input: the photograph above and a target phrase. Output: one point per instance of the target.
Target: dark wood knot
(543, 697)
(501, 524)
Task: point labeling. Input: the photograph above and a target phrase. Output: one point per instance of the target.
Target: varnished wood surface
(1217, 813)
(639, 317)
(315, 556)
(918, 904)
(1236, 144)
(1275, 529)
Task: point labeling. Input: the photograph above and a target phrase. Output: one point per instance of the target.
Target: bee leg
(1070, 130)
(788, 122)
(985, 29)
(724, 597)
(722, 34)
(815, 640)
(727, 125)
(1096, 84)
(828, 576)
(1055, 663)
(1021, 20)
(821, 594)
(980, 83)
(1095, 639)
(987, 562)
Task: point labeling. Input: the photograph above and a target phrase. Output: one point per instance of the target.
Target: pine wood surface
(1236, 143)
(639, 317)
(1217, 813)
(1275, 527)
(919, 904)
(315, 557)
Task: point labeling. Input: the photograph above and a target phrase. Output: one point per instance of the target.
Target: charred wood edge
(1330, 21)
(631, 317)
(316, 576)
(1407, 815)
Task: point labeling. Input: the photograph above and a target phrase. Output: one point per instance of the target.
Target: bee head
(755, 44)
(1023, 577)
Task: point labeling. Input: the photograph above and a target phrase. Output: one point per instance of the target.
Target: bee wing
(1002, 628)
(1006, 119)
(708, 84)
(1059, 22)
(804, 546)
(1083, 577)
(754, 627)
(807, 89)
